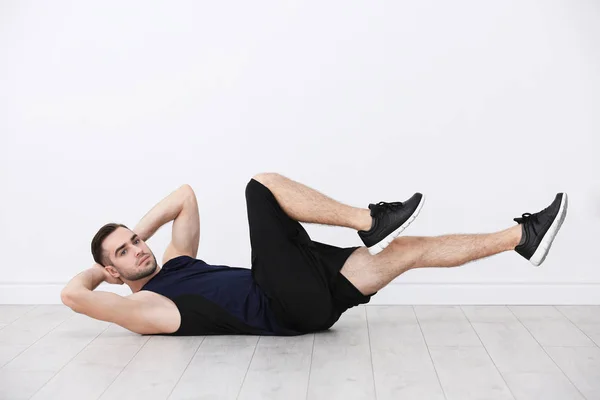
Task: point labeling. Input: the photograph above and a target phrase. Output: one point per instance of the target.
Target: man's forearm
(86, 280)
(165, 211)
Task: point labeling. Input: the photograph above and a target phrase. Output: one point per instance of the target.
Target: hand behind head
(108, 277)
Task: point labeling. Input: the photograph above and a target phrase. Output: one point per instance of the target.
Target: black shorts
(301, 277)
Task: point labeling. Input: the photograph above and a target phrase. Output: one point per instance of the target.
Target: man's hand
(108, 277)
(86, 281)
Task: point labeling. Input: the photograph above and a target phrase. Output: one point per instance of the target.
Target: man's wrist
(89, 279)
(97, 276)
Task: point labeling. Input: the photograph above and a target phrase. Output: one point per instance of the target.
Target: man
(295, 285)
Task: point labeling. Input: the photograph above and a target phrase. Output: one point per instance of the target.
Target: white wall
(489, 108)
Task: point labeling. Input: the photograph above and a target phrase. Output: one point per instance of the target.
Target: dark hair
(97, 252)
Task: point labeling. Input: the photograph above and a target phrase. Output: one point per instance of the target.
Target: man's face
(129, 255)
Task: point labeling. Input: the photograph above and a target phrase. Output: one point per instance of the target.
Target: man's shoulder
(158, 310)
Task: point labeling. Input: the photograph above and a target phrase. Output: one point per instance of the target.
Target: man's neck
(136, 286)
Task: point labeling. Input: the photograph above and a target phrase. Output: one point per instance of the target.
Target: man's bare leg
(371, 273)
(305, 204)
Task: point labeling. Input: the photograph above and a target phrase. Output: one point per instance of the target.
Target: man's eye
(136, 240)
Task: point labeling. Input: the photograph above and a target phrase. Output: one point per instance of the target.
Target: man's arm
(165, 211)
(79, 295)
(86, 280)
(182, 207)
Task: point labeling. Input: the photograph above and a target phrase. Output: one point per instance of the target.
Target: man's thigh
(301, 275)
(283, 265)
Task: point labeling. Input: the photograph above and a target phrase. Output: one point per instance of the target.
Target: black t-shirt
(215, 299)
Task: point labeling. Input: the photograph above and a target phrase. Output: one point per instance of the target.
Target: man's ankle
(519, 235)
(366, 221)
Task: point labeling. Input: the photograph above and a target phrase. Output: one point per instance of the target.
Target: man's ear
(112, 271)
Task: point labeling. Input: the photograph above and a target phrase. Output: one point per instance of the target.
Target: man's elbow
(68, 299)
(188, 190)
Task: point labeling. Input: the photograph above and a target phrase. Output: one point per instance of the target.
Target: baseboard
(396, 293)
(489, 294)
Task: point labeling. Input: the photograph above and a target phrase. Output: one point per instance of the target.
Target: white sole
(379, 247)
(544, 247)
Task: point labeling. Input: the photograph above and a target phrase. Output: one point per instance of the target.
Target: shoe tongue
(373, 208)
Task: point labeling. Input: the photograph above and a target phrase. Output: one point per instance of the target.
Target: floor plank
(446, 326)
(582, 366)
(279, 369)
(9, 313)
(549, 327)
(218, 368)
(586, 318)
(48, 355)
(526, 368)
(155, 369)
(402, 365)
(468, 373)
(341, 362)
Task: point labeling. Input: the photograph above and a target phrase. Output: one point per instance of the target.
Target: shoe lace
(526, 217)
(383, 206)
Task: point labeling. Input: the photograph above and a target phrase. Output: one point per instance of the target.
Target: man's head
(123, 253)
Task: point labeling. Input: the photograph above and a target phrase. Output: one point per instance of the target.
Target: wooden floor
(373, 352)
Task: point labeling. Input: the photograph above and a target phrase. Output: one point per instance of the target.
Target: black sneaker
(540, 229)
(389, 220)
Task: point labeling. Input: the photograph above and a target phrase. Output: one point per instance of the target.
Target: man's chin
(144, 274)
(150, 270)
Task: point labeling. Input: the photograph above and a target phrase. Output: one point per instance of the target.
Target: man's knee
(266, 177)
(409, 251)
